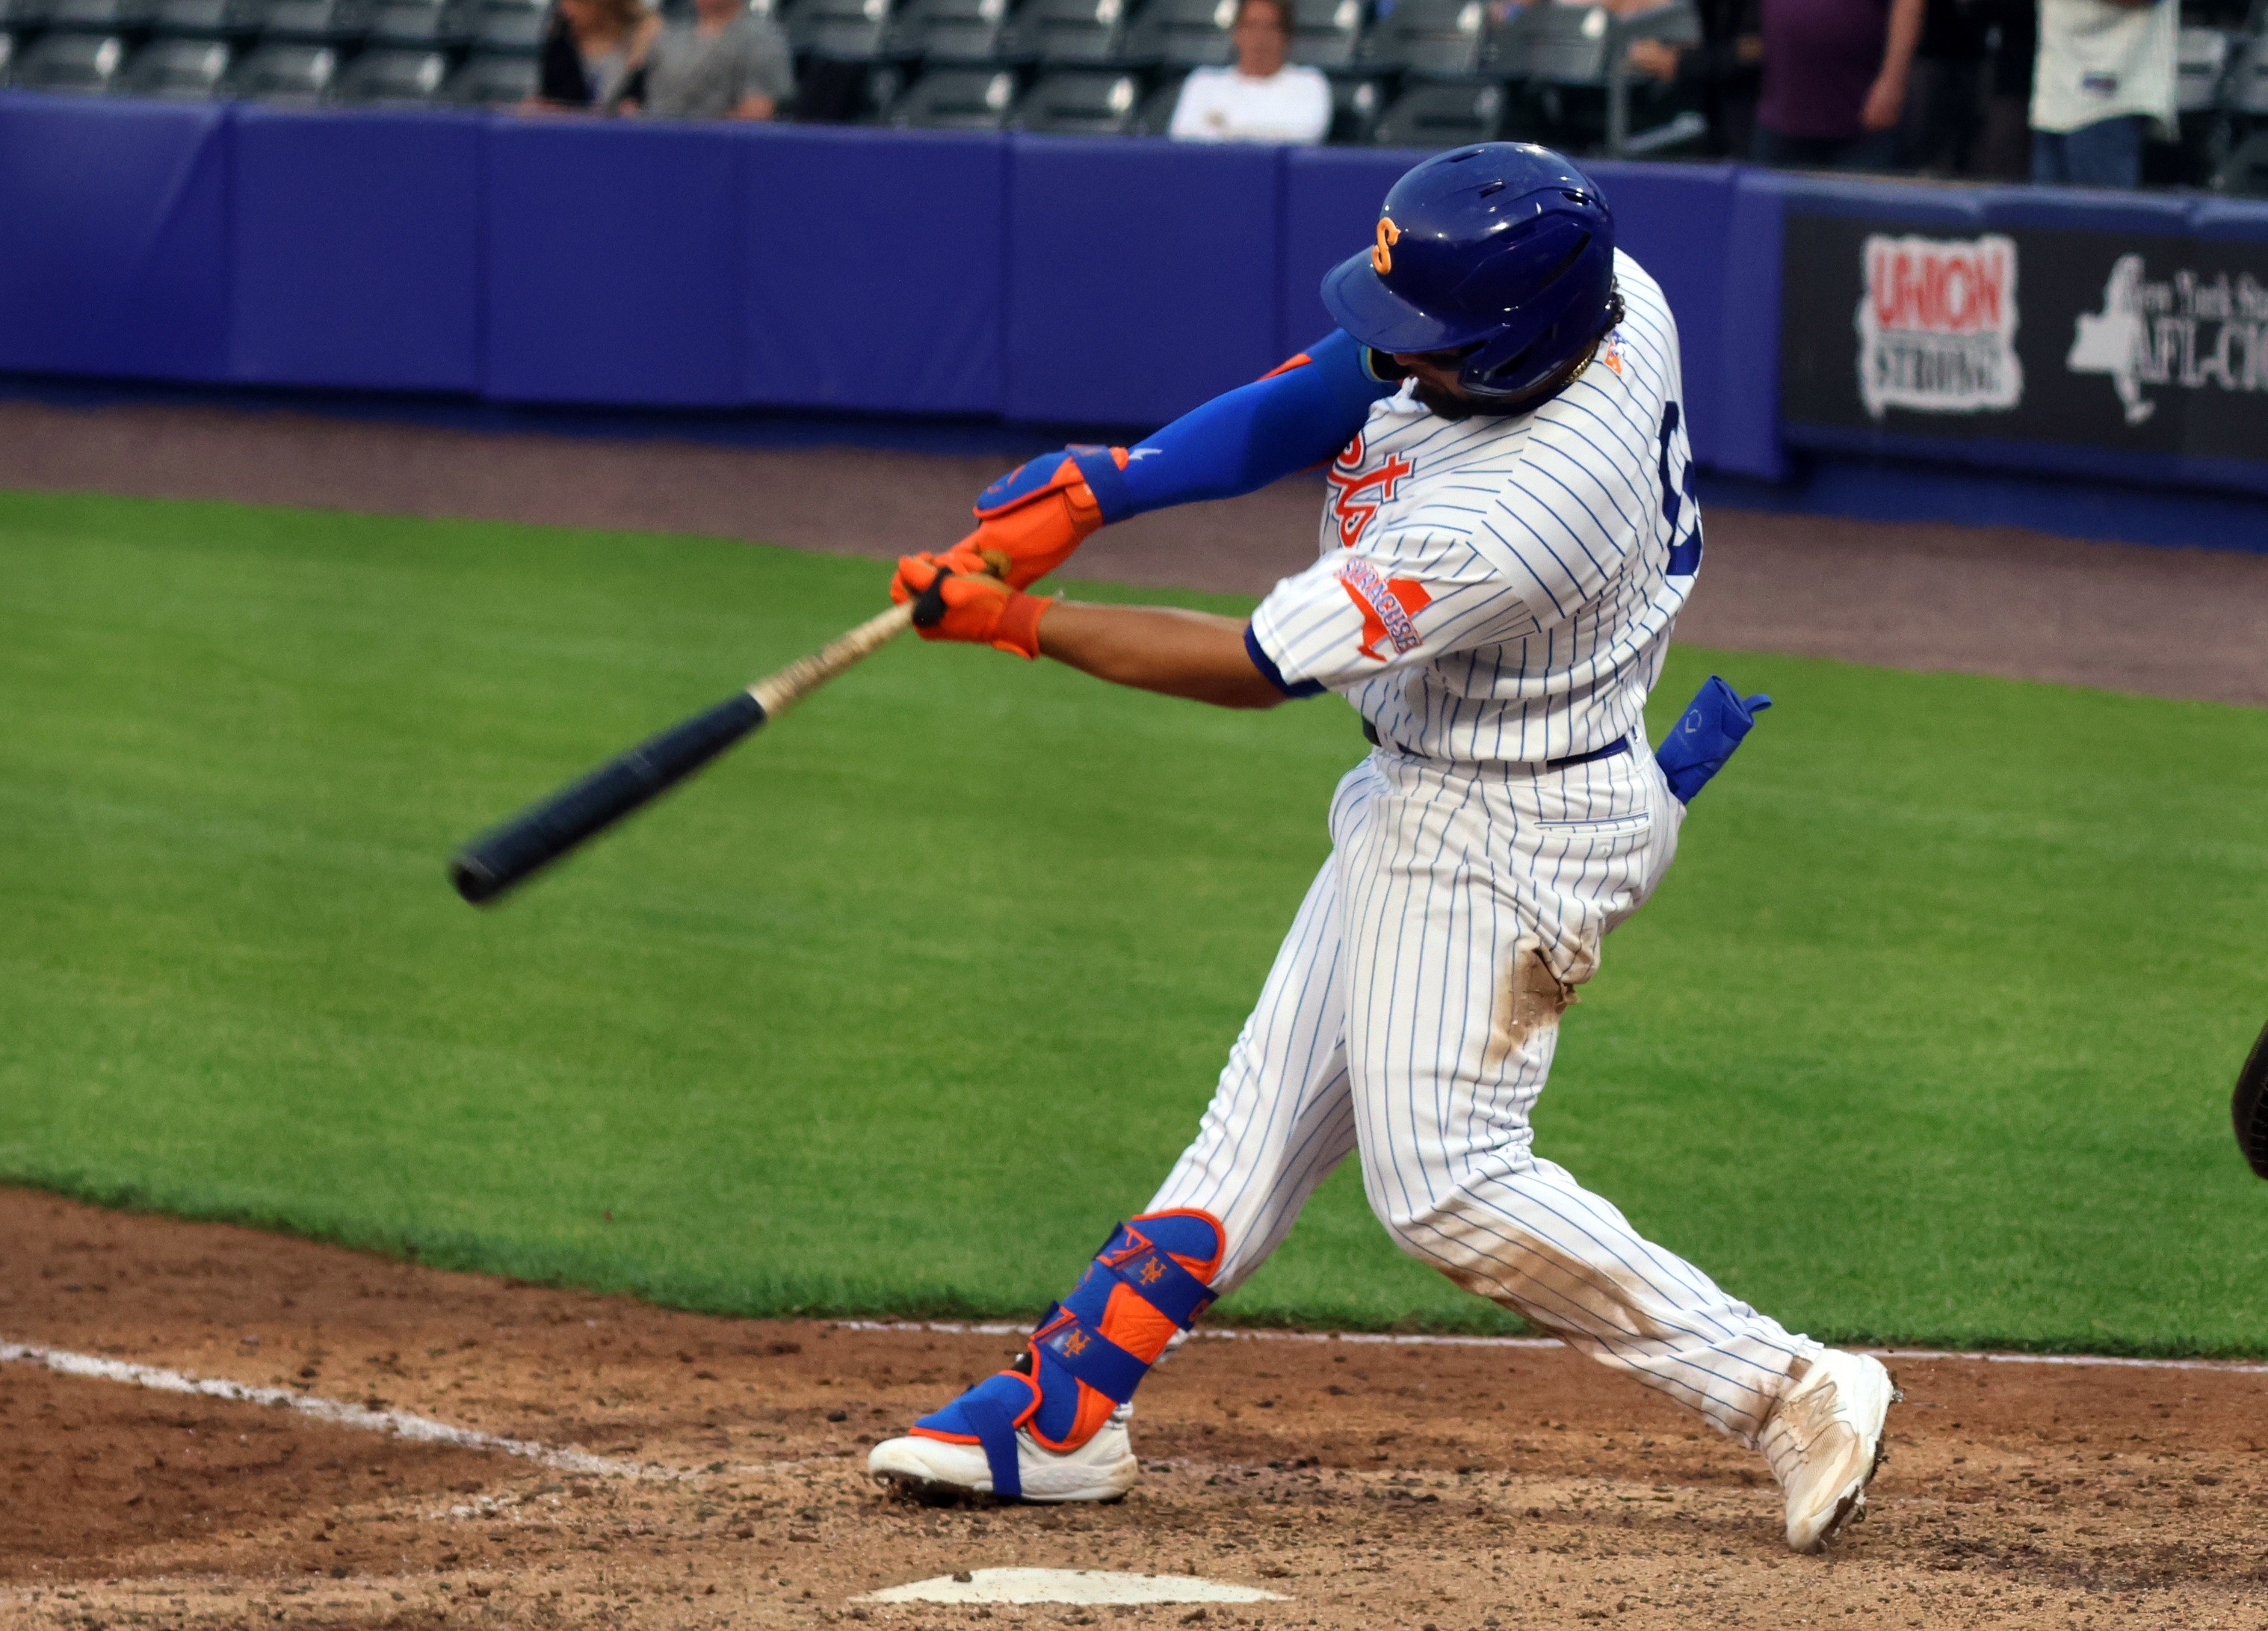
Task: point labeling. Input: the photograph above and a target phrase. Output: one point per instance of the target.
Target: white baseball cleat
(934, 1469)
(1825, 1441)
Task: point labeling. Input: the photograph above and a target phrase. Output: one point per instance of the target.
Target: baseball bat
(579, 812)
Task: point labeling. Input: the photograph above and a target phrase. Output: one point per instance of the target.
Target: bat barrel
(542, 833)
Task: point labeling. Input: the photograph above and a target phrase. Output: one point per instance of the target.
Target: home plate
(1068, 1585)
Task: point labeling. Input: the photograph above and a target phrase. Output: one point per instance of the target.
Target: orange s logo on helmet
(1381, 254)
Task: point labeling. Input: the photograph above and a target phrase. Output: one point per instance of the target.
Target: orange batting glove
(981, 610)
(1029, 522)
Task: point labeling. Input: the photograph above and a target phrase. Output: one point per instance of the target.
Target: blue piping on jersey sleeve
(1273, 674)
(1245, 438)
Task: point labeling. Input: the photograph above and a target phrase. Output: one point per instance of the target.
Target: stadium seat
(2245, 173)
(177, 70)
(1155, 117)
(502, 28)
(1325, 33)
(956, 99)
(839, 31)
(685, 12)
(2246, 88)
(207, 20)
(1441, 115)
(74, 64)
(1181, 33)
(1555, 44)
(945, 31)
(1356, 104)
(487, 81)
(2201, 63)
(290, 74)
(314, 22)
(1080, 103)
(392, 78)
(1683, 133)
(1057, 34)
(101, 17)
(1433, 38)
(421, 24)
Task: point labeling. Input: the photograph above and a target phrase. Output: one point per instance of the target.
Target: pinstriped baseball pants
(1412, 1014)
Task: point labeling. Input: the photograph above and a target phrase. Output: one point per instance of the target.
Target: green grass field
(1929, 1036)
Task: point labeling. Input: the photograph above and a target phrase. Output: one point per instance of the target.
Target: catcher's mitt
(2250, 1108)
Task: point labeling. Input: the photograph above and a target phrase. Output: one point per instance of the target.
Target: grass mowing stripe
(1927, 1038)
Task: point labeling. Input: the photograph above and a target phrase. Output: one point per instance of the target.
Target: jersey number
(1684, 553)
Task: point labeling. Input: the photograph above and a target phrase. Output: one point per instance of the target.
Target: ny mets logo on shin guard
(1361, 492)
(1387, 605)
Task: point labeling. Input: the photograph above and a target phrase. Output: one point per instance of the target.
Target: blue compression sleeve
(1245, 438)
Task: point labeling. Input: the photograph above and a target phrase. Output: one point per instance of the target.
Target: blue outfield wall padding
(1142, 276)
(1743, 398)
(355, 239)
(1331, 197)
(1676, 221)
(2243, 220)
(2076, 209)
(613, 262)
(1872, 488)
(113, 251)
(876, 268)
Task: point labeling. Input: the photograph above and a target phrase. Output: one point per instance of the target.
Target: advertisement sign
(2077, 340)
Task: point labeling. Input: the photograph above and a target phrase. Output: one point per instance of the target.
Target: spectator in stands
(2104, 76)
(591, 51)
(1835, 81)
(1721, 73)
(730, 65)
(2012, 35)
(1263, 98)
(1945, 91)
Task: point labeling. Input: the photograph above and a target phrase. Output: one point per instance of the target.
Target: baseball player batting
(1509, 534)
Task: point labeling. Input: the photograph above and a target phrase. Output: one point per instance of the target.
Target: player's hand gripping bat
(542, 832)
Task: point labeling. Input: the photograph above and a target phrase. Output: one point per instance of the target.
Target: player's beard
(1446, 404)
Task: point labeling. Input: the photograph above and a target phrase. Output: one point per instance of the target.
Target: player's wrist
(1017, 628)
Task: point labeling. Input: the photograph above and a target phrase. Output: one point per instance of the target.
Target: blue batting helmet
(1504, 251)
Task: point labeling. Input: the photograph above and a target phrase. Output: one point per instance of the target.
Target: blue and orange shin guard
(1147, 1284)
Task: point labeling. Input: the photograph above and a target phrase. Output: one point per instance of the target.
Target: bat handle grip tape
(928, 609)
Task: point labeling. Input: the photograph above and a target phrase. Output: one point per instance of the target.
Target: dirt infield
(2001, 600)
(1370, 1485)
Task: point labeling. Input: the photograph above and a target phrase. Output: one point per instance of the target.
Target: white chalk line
(415, 1428)
(949, 1327)
(394, 1423)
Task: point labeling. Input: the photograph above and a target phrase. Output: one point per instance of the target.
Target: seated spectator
(590, 52)
(2104, 76)
(1835, 81)
(730, 65)
(1721, 73)
(1263, 98)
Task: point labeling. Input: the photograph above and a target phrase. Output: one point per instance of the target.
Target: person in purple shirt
(1835, 81)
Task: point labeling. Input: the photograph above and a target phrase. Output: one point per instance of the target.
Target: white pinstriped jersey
(1502, 587)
